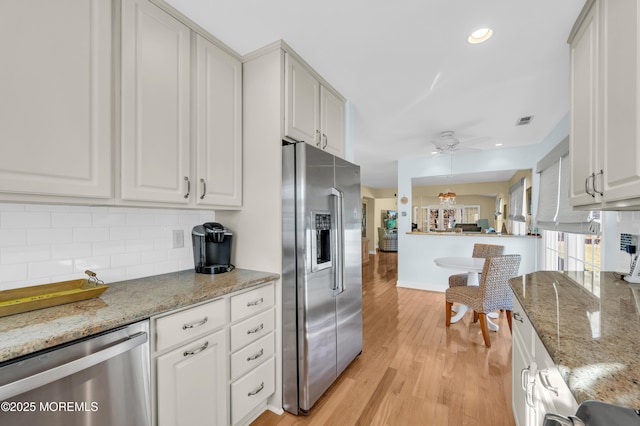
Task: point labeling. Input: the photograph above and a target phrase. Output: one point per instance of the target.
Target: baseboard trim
(421, 286)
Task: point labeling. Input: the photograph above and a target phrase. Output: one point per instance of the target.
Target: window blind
(554, 207)
(548, 198)
(516, 201)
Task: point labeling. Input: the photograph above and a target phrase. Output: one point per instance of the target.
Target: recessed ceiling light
(498, 144)
(480, 35)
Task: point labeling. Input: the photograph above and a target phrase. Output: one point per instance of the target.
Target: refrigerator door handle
(338, 286)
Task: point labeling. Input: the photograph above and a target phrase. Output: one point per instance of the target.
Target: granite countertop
(123, 303)
(589, 322)
(471, 234)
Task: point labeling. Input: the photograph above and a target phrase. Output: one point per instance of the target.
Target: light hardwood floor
(413, 370)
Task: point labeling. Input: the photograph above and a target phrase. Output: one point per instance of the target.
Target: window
(564, 251)
(439, 217)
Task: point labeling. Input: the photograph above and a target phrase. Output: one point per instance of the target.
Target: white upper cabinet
(218, 92)
(583, 140)
(313, 113)
(620, 114)
(155, 106)
(332, 122)
(302, 103)
(605, 144)
(55, 102)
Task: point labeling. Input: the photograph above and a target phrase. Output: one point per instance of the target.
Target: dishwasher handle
(43, 378)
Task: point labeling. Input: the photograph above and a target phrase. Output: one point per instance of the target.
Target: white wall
(40, 244)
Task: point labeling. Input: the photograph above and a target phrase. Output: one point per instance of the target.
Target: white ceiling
(408, 70)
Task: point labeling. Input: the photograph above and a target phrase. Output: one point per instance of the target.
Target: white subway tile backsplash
(13, 237)
(70, 251)
(13, 273)
(106, 219)
(90, 234)
(25, 220)
(42, 243)
(137, 246)
(124, 233)
(155, 256)
(70, 220)
(50, 268)
(108, 247)
(25, 254)
(126, 259)
(49, 236)
(97, 264)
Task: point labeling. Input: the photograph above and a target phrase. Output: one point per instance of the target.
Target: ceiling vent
(524, 120)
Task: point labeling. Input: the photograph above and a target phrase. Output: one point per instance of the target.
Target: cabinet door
(523, 413)
(55, 102)
(584, 109)
(302, 104)
(332, 122)
(218, 92)
(192, 383)
(620, 76)
(155, 116)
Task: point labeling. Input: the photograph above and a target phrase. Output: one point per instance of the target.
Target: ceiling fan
(447, 142)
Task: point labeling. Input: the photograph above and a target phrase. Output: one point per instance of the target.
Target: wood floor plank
(414, 370)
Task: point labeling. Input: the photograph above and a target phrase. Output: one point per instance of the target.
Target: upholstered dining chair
(479, 250)
(492, 294)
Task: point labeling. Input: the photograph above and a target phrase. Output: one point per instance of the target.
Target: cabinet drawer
(177, 328)
(521, 324)
(249, 357)
(251, 329)
(250, 390)
(253, 301)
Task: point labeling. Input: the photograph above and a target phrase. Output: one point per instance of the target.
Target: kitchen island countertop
(123, 303)
(589, 322)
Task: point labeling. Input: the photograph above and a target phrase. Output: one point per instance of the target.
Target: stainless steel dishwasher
(99, 381)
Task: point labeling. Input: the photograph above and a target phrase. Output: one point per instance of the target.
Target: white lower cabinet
(214, 363)
(537, 386)
(192, 380)
(252, 345)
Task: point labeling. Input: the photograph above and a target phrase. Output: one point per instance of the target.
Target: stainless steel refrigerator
(322, 275)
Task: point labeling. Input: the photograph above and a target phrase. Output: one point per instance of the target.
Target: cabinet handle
(544, 378)
(188, 187)
(255, 330)
(196, 351)
(204, 188)
(324, 137)
(255, 302)
(196, 323)
(257, 391)
(601, 173)
(319, 138)
(256, 355)
(592, 177)
(517, 317)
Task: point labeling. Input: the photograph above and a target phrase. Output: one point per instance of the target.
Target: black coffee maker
(211, 248)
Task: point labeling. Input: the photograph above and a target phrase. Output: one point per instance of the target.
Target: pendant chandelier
(447, 198)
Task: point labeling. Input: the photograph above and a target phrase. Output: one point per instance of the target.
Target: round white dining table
(473, 266)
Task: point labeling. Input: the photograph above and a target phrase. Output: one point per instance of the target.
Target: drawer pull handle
(197, 351)
(255, 302)
(257, 391)
(256, 355)
(544, 378)
(255, 330)
(195, 324)
(517, 317)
